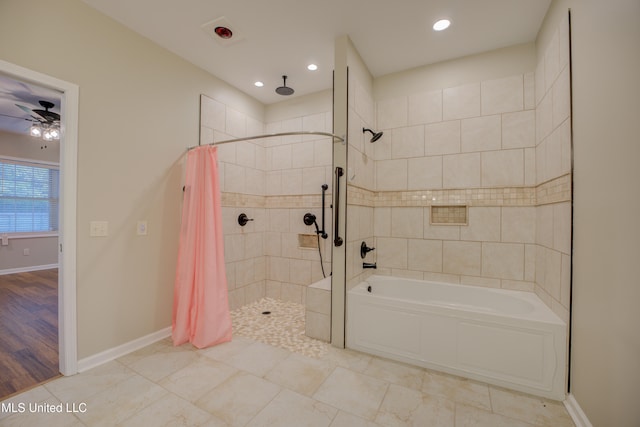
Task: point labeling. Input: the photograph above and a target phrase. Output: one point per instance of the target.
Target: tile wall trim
(238, 200)
(554, 191)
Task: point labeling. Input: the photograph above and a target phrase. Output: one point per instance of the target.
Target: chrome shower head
(375, 135)
(284, 89)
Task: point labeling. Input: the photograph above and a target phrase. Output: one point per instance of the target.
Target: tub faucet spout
(369, 265)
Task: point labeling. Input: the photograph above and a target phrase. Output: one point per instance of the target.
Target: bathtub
(501, 337)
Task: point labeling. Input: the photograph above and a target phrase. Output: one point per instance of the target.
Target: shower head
(284, 89)
(375, 135)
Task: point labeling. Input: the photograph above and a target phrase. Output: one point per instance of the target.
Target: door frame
(67, 314)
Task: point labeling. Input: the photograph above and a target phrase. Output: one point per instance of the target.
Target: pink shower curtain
(200, 305)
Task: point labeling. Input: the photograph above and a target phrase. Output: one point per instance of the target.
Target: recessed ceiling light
(259, 84)
(442, 24)
(312, 67)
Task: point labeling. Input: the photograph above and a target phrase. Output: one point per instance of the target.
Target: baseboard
(575, 411)
(27, 269)
(121, 350)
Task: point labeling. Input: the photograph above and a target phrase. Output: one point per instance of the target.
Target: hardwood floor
(28, 330)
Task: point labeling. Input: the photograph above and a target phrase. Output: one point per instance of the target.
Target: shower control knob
(364, 250)
(243, 219)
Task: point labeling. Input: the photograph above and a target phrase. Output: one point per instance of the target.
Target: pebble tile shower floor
(274, 381)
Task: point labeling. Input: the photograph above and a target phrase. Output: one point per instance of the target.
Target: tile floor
(250, 383)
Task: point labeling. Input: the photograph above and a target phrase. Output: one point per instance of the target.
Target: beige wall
(139, 110)
(605, 343)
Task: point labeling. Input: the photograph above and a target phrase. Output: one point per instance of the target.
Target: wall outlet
(141, 229)
(26, 252)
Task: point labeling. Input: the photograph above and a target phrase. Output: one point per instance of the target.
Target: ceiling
(281, 37)
(13, 93)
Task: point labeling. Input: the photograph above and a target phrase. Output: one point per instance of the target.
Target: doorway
(66, 246)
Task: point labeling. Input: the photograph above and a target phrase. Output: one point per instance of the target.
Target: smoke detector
(222, 31)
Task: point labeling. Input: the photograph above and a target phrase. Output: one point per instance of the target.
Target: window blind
(29, 195)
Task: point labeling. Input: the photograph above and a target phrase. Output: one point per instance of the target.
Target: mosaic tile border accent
(554, 191)
(281, 202)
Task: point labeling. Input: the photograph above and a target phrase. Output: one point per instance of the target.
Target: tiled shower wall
(297, 166)
(274, 181)
(502, 148)
(471, 145)
(553, 172)
(360, 178)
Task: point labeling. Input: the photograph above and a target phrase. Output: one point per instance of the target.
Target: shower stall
(453, 177)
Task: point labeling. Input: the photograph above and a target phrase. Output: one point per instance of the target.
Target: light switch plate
(99, 229)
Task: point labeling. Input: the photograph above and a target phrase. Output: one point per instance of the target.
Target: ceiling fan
(46, 123)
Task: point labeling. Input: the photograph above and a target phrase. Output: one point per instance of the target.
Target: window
(28, 197)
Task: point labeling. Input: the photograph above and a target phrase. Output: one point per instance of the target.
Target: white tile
(529, 91)
(395, 372)
(407, 142)
(519, 224)
(78, 387)
(468, 416)
(461, 102)
(318, 326)
(170, 410)
(561, 98)
(407, 222)
(234, 178)
(302, 154)
(462, 258)
(424, 255)
(162, 364)
(352, 392)
(213, 114)
(403, 406)
(503, 168)
(442, 138)
(481, 133)
(292, 182)
(300, 373)
(503, 260)
(553, 156)
(519, 129)
(532, 409)
(562, 227)
(391, 175)
(425, 107)
(484, 225)
(552, 61)
(290, 408)
(461, 170)
(530, 166)
(237, 400)
(544, 118)
(382, 222)
(115, 404)
(236, 123)
(457, 389)
(345, 419)
(553, 273)
(391, 252)
(392, 113)
(281, 157)
(502, 95)
(425, 173)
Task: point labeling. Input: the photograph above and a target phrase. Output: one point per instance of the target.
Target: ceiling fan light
(55, 133)
(35, 130)
(47, 135)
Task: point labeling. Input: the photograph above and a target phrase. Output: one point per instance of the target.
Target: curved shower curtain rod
(270, 135)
